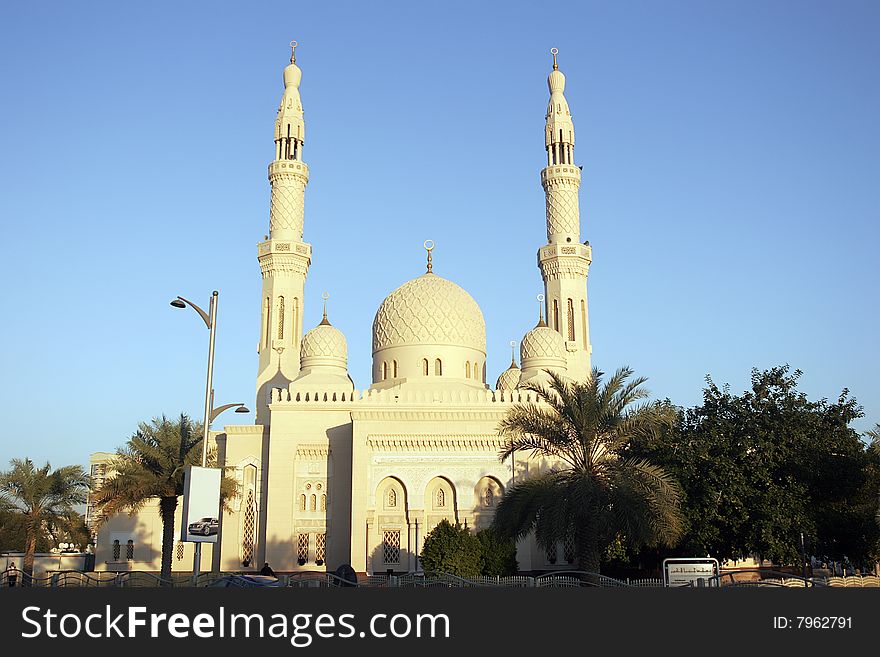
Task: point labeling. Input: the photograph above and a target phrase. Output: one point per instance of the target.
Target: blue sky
(731, 160)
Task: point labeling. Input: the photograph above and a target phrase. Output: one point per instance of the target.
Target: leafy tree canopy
(759, 468)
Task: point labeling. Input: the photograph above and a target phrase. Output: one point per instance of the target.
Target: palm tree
(151, 465)
(596, 495)
(44, 498)
(874, 435)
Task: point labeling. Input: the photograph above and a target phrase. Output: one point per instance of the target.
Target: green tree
(451, 549)
(759, 468)
(151, 465)
(42, 499)
(596, 493)
(498, 554)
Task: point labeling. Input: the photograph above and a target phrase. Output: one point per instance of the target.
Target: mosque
(330, 474)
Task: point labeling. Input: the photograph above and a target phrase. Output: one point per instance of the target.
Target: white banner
(201, 505)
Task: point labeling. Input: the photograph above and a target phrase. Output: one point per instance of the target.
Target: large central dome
(429, 310)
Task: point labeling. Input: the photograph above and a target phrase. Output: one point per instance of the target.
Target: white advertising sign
(201, 505)
(683, 571)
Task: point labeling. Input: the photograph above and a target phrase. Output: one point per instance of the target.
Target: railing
(566, 579)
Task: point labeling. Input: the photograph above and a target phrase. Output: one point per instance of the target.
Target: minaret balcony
(565, 251)
(561, 171)
(284, 246)
(289, 166)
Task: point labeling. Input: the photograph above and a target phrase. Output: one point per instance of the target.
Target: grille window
(320, 548)
(391, 547)
(302, 549)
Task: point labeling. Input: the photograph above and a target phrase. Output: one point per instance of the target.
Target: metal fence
(568, 579)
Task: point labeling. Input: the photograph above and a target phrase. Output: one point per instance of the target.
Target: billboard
(684, 571)
(201, 504)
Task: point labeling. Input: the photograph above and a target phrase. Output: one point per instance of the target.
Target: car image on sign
(204, 527)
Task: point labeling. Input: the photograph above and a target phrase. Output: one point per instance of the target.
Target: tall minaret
(564, 261)
(284, 257)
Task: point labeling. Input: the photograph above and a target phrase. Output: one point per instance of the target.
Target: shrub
(452, 549)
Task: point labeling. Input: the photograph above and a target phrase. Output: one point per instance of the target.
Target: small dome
(429, 310)
(509, 378)
(541, 343)
(324, 342)
(556, 82)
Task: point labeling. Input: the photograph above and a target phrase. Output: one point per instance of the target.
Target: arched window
(424, 367)
(313, 506)
(477, 371)
(116, 550)
(441, 497)
(489, 496)
(280, 318)
(584, 323)
(384, 371)
(323, 502)
(467, 369)
(129, 550)
(438, 368)
(249, 529)
(266, 328)
(302, 502)
(394, 368)
(555, 315)
(571, 320)
(391, 498)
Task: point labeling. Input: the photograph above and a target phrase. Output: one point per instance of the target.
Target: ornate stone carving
(509, 379)
(324, 340)
(542, 342)
(288, 195)
(429, 309)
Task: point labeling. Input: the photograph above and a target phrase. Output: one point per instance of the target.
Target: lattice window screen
(179, 550)
(551, 554)
(320, 548)
(249, 529)
(302, 548)
(280, 318)
(568, 549)
(489, 496)
(129, 550)
(116, 550)
(391, 547)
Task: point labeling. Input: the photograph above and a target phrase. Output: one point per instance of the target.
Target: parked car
(204, 527)
(246, 581)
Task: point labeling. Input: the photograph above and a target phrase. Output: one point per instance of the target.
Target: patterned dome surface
(542, 342)
(429, 310)
(322, 341)
(509, 379)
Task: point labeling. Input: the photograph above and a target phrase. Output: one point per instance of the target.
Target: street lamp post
(210, 319)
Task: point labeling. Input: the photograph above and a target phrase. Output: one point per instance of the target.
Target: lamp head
(177, 303)
(242, 409)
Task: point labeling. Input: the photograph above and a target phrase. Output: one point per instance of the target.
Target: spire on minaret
(513, 353)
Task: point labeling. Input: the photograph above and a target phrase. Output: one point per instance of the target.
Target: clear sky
(731, 160)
